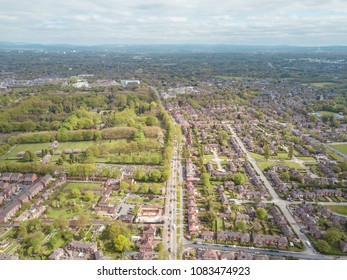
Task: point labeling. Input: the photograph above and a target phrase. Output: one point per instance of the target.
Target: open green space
(80, 185)
(324, 84)
(39, 146)
(339, 209)
(266, 164)
(340, 147)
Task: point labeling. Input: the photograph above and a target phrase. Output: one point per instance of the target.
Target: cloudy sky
(93, 22)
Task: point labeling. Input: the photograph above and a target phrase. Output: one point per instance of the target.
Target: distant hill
(166, 48)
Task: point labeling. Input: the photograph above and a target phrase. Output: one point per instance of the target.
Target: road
(282, 204)
(297, 255)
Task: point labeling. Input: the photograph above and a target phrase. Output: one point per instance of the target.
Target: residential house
(82, 247)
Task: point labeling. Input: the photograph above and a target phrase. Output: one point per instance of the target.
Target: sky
(235, 22)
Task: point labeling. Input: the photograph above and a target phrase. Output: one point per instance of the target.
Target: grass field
(80, 185)
(339, 209)
(324, 84)
(290, 164)
(340, 147)
(39, 146)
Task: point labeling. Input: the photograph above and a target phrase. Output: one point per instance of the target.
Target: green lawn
(257, 156)
(265, 164)
(339, 209)
(39, 146)
(80, 185)
(340, 147)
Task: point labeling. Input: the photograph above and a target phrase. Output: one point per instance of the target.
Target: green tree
(241, 226)
(21, 231)
(124, 186)
(61, 223)
(89, 195)
(75, 193)
(267, 152)
(82, 221)
(291, 152)
(135, 188)
(323, 246)
(121, 243)
(333, 236)
(209, 216)
(261, 213)
(155, 175)
(151, 121)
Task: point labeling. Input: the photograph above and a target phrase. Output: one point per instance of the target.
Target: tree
(89, 195)
(163, 254)
(151, 121)
(323, 246)
(267, 152)
(75, 193)
(155, 175)
(82, 221)
(209, 216)
(291, 152)
(285, 176)
(140, 174)
(333, 236)
(121, 243)
(261, 213)
(115, 229)
(135, 188)
(61, 222)
(124, 186)
(160, 246)
(239, 179)
(241, 226)
(21, 231)
(144, 188)
(205, 178)
(156, 188)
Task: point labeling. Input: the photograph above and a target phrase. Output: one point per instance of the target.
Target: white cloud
(175, 21)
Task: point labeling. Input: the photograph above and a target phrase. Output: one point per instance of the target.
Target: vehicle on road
(308, 244)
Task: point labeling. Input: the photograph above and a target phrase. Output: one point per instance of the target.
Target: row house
(45, 180)
(262, 239)
(83, 247)
(29, 178)
(147, 242)
(327, 170)
(193, 223)
(222, 195)
(232, 167)
(309, 223)
(9, 210)
(34, 189)
(209, 255)
(233, 236)
(207, 235)
(281, 222)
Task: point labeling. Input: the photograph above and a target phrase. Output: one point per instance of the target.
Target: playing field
(340, 147)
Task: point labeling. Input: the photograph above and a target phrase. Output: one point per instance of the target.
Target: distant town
(204, 155)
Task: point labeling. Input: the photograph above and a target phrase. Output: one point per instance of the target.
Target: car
(251, 248)
(314, 251)
(234, 246)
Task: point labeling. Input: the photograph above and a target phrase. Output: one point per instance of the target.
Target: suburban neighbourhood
(140, 163)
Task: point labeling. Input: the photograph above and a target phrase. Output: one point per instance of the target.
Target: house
(261, 240)
(126, 218)
(227, 256)
(45, 180)
(207, 235)
(16, 177)
(9, 210)
(23, 198)
(82, 247)
(210, 255)
(343, 246)
(29, 178)
(242, 217)
(57, 253)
